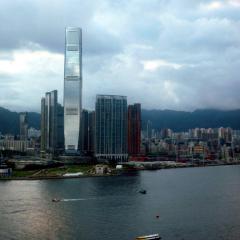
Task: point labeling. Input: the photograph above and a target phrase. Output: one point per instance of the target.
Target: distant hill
(176, 120)
(181, 121)
(9, 121)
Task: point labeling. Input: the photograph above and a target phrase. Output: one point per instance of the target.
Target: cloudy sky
(165, 54)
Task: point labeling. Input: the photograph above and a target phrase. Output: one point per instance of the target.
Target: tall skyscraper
(111, 128)
(84, 139)
(43, 125)
(91, 131)
(60, 127)
(23, 120)
(72, 88)
(134, 129)
(87, 132)
(49, 122)
(149, 130)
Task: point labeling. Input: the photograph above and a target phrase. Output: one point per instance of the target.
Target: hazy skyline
(179, 55)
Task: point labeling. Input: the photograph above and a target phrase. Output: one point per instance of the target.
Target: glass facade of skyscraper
(134, 129)
(49, 110)
(111, 127)
(72, 88)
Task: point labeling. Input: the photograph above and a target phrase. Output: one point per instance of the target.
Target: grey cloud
(119, 35)
(43, 23)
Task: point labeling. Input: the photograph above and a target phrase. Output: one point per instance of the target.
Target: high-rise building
(91, 131)
(84, 139)
(23, 120)
(49, 122)
(60, 127)
(111, 127)
(134, 129)
(87, 132)
(149, 130)
(72, 88)
(43, 125)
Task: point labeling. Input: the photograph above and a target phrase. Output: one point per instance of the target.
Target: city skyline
(182, 56)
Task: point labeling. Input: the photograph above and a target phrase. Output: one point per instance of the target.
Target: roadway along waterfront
(192, 203)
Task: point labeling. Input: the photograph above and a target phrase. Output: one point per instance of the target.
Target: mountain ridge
(183, 120)
(9, 121)
(175, 120)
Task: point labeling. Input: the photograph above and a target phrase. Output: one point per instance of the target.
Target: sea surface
(192, 203)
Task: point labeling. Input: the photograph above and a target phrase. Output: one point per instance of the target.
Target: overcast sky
(165, 54)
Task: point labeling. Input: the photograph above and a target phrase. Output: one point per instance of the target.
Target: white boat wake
(75, 199)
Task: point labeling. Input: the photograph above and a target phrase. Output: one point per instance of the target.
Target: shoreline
(54, 177)
(106, 175)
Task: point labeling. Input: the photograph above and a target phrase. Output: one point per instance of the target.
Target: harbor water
(190, 203)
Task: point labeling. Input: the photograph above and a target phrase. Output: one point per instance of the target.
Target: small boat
(56, 200)
(142, 191)
(149, 237)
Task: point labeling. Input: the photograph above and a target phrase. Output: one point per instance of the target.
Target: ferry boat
(149, 237)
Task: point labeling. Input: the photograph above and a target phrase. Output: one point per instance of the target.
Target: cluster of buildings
(111, 132)
(199, 144)
(26, 141)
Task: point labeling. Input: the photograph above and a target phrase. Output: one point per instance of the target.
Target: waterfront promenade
(88, 170)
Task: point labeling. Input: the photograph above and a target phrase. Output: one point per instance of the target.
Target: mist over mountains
(182, 121)
(9, 121)
(175, 120)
